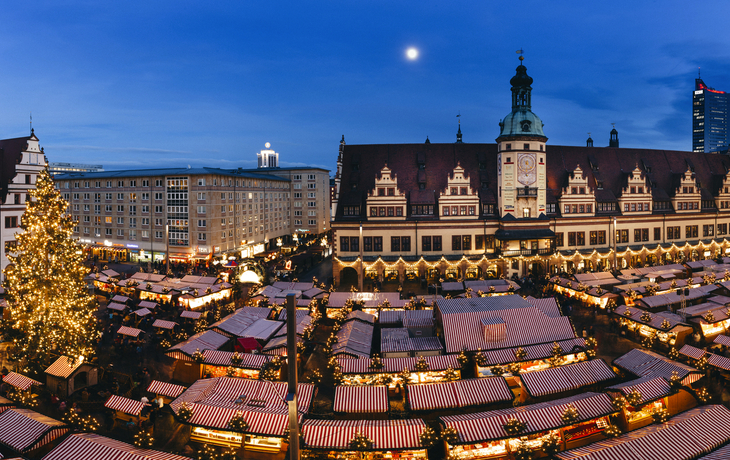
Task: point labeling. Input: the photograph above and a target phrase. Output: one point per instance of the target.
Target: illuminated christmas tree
(51, 310)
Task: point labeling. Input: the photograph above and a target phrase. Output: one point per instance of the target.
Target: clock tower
(521, 159)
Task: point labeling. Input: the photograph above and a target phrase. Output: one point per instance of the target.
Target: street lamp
(615, 237)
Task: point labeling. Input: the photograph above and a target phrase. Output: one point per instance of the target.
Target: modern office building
(460, 210)
(195, 212)
(22, 159)
(709, 119)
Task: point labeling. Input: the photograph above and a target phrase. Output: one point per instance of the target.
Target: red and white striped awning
(122, 404)
(223, 358)
(191, 314)
(488, 426)
(214, 401)
(686, 436)
(91, 446)
(130, 331)
(116, 306)
(165, 389)
(23, 429)
(20, 381)
(566, 378)
(692, 352)
(142, 312)
(719, 362)
(357, 399)
(647, 363)
(395, 365)
(723, 453)
(164, 324)
(651, 388)
(385, 434)
(723, 340)
(63, 368)
(461, 393)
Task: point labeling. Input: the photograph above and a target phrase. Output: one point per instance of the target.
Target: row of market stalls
(190, 291)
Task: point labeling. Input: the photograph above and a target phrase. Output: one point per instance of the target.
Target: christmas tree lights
(51, 310)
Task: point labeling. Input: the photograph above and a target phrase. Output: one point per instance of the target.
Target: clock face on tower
(527, 173)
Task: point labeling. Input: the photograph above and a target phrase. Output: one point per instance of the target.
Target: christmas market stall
(382, 439)
(646, 396)
(686, 436)
(717, 361)
(566, 378)
(6, 404)
(663, 328)
(218, 363)
(20, 381)
(129, 285)
(562, 424)
(197, 297)
(116, 307)
(532, 357)
(191, 315)
(230, 411)
(354, 340)
(105, 281)
(397, 342)
(168, 391)
(431, 369)
(126, 410)
(189, 355)
(65, 376)
(645, 363)
(305, 327)
(130, 331)
(459, 394)
(91, 446)
(709, 319)
(237, 323)
(361, 399)
(26, 431)
(162, 326)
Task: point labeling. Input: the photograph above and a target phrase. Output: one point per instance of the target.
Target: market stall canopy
(206, 340)
(566, 378)
(116, 306)
(385, 434)
(643, 363)
(359, 399)
(650, 388)
(142, 312)
(237, 323)
(371, 299)
(90, 446)
(596, 279)
(247, 344)
(459, 394)
(20, 381)
(64, 366)
(191, 314)
(394, 317)
(120, 298)
(685, 436)
(547, 305)
(395, 365)
(164, 324)
(130, 331)
(723, 340)
(713, 359)
(223, 358)
(488, 426)
(24, 430)
(354, 338)
(165, 389)
(126, 405)
(148, 304)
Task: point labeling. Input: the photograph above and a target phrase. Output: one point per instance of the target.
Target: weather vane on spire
(459, 116)
(31, 122)
(521, 52)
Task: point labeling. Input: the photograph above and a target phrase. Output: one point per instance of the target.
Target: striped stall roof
(64, 367)
(20, 381)
(354, 338)
(692, 352)
(191, 314)
(116, 306)
(206, 340)
(541, 351)
(723, 340)
(120, 298)
(524, 326)
(459, 394)
(718, 361)
(566, 378)
(223, 358)
(394, 365)
(130, 331)
(148, 304)
(385, 434)
(647, 363)
(357, 399)
(126, 405)
(91, 446)
(481, 304)
(237, 323)
(685, 436)
(488, 426)
(215, 401)
(278, 345)
(164, 324)
(651, 388)
(723, 453)
(547, 305)
(24, 430)
(142, 312)
(165, 389)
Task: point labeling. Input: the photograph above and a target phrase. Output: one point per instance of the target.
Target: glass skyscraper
(709, 119)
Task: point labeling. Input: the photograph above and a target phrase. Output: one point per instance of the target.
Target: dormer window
(381, 192)
(633, 189)
(526, 126)
(582, 190)
(574, 190)
(462, 191)
(641, 189)
(391, 191)
(454, 191)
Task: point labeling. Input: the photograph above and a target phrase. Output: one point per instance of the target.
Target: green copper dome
(521, 121)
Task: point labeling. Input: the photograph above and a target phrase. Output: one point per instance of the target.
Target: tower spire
(31, 123)
(458, 133)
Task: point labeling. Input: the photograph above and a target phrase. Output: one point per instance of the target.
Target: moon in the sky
(412, 53)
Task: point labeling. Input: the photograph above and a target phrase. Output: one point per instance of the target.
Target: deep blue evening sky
(140, 84)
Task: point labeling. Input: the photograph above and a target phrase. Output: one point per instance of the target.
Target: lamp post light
(615, 237)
